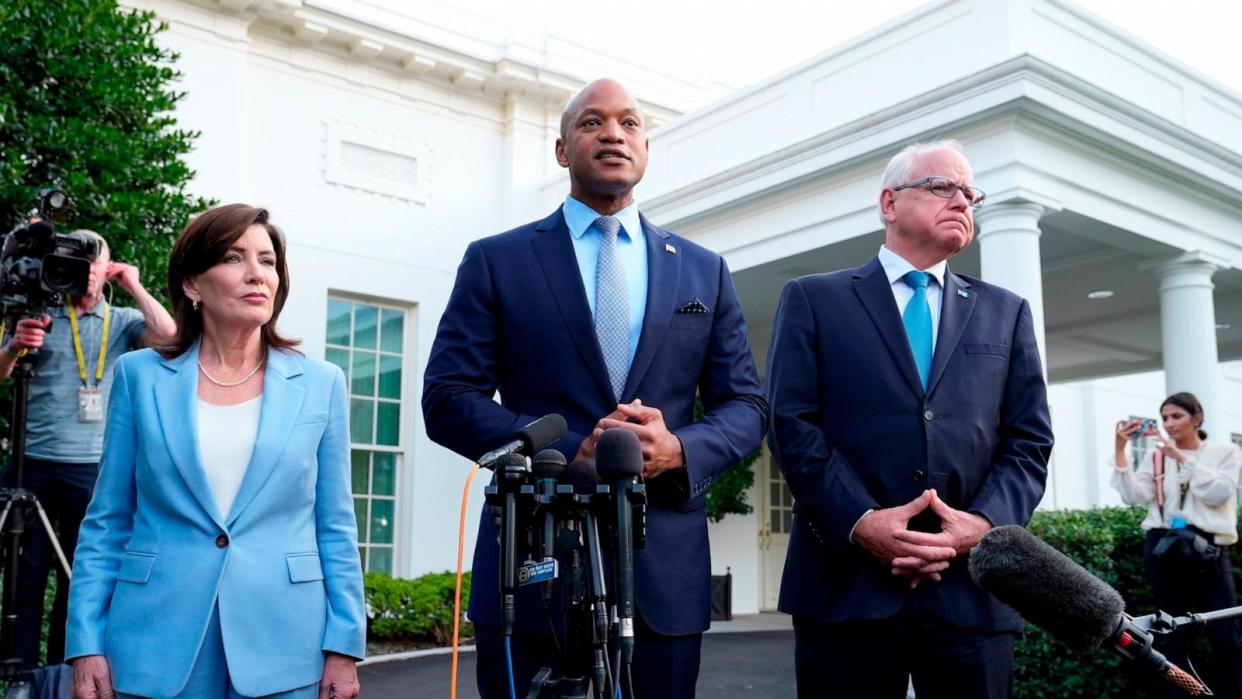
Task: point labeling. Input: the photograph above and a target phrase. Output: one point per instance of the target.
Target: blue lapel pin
(963, 293)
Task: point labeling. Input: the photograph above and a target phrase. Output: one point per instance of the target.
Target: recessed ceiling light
(1101, 294)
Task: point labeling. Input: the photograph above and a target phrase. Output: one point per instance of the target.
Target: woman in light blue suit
(219, 556)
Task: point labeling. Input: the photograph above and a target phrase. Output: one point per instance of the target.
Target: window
(367, 340)
(1237, 441)
(780, 502)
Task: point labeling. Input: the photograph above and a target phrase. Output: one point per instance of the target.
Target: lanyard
(103, 343)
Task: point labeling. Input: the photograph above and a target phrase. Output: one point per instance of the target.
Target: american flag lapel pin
(963, 293)
(668, 247)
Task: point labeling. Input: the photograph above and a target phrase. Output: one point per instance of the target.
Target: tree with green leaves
(86, 105)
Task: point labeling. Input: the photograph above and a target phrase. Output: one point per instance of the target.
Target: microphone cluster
(582, 519)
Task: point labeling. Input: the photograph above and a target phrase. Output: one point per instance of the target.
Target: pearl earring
(194, 304)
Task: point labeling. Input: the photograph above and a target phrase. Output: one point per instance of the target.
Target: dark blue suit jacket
(518, 322)
(854, 430)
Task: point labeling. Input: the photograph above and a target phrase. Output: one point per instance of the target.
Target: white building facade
(383, 143)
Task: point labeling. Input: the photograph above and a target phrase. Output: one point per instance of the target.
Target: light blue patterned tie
(612, 306)
(918, 321)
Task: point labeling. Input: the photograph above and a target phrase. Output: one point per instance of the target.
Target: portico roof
(1134, 157)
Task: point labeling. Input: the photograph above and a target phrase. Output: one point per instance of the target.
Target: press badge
(90, 405)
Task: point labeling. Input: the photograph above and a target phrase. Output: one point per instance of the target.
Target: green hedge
(1109, 543)
(420, 609)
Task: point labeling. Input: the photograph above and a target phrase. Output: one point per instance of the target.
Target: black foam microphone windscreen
(1046, 587)
(543, 431)
(548, 463)
(618, 454)
(582, 476)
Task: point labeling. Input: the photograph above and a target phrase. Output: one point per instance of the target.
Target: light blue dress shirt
(895, 267)
(632, 247)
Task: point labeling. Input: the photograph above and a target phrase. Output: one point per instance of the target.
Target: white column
(1188, 332)
(526, 155)
(1008, 233)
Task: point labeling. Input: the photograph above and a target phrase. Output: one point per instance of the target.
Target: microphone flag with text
(1061, 597)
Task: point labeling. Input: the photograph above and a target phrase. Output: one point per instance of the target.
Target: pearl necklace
(229, 384)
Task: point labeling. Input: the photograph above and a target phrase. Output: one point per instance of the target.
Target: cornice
(464, 64)
(1005, 89)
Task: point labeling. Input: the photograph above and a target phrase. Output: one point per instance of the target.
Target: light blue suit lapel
(177, 399)
(282, 403)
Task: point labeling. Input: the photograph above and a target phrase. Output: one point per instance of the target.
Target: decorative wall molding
(380, 163)
(464, 64)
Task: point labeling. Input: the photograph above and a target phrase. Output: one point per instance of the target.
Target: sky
(740, 42)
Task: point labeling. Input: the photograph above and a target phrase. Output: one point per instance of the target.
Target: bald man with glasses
(910, 417)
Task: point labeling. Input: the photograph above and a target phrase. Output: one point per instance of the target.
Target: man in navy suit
(909, 417)
(598, 315)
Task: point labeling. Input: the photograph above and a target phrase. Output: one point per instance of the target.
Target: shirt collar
(579, 217)
(896, 266)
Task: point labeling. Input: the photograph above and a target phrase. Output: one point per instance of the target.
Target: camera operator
(65, 425)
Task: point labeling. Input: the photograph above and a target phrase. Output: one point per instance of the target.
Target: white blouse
(226, 436)
(1203, 490)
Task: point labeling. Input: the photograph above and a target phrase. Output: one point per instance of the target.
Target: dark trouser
(1182, 586)
(877, 658)
(665, 667)
(64, 490)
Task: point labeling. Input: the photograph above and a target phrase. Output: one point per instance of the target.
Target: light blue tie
(918, 321)
(612, 306)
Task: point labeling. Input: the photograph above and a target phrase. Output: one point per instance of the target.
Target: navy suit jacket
(518, 322)
(853, 430)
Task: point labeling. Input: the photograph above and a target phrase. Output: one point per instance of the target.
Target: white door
(776, 507)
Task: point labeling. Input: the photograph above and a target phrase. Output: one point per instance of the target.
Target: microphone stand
(1143, 629)
(586, 620)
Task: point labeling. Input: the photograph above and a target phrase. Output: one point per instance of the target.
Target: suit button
(918, 475)
(928, 415)
(222, 541)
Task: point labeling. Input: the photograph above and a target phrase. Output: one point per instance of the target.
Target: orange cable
(461, 552)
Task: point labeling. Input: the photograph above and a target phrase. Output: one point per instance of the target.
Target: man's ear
(562, 155)
(888, 205)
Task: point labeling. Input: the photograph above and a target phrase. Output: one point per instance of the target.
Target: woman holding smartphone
(1189, 486)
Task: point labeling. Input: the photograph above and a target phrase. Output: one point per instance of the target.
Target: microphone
(548, 466)
(619, 460)
(529, 439)
(1061, 597)
(511, 472)
(582, 475)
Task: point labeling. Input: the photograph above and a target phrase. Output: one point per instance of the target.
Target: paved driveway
(755, 665)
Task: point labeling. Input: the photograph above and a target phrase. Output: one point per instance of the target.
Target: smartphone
(1144, 427)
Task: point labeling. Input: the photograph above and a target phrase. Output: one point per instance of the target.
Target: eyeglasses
(946, 188)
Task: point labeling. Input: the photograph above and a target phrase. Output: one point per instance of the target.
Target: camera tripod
(20, 506)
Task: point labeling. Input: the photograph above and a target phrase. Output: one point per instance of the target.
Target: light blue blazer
(155, 556)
